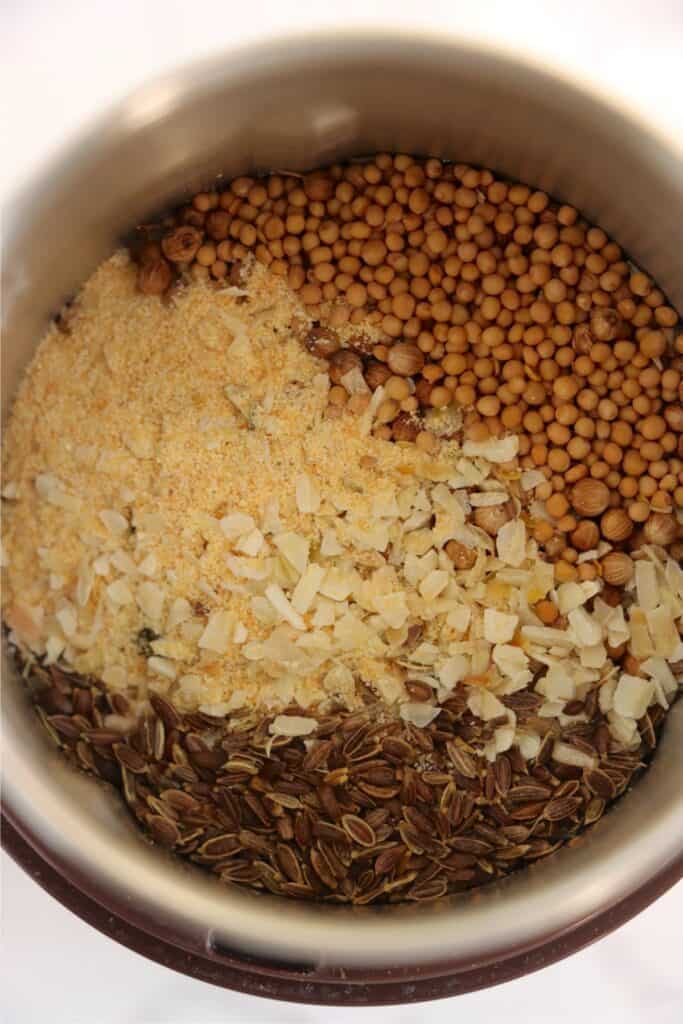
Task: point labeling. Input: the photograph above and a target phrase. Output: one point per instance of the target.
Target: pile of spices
(453, 288)
(358, 569)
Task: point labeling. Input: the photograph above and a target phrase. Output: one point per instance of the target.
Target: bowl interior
(297, 104)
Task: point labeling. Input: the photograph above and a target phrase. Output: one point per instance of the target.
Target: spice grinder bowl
(299, 103)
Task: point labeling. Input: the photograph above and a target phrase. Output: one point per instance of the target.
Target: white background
(61, 61)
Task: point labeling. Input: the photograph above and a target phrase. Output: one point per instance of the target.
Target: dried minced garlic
(183, 518)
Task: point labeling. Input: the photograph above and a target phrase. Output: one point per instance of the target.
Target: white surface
(631, 977)
(61, 61)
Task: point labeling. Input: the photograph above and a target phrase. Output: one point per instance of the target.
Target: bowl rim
(385, 987)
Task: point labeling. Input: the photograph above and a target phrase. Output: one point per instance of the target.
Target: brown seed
(317, 755)
(358, 830)
(219, 847)
(318, 186)
(218, 225)
(463, 762)
(466, 844)
(503, 774)
(182, 244)
(528, 791)
(461, 556)
(594, 810)
(405, 359)
(66, 726)
(376, 374)
(154, 277)
(586, 536)
(398, 750)
(322, 342)
(600, 784)
(292, 803)
(419, 691)
(616, 525)
(129, 758)
(527, 812)
(163, 830)
(239, 871)
(590, 497)
(490, 518)
(289, 863)
(102, 737)
(180, 801)
(341, 363)
(617, 568)
(166, 712)
(388, 859)
(322, 869)
(429, 890)
(605, 324)
(328, 800)
(405, 427)
(660, 529)
(564, 807)
(522, 701)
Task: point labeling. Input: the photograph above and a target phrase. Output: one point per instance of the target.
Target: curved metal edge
(389, 986)
(282, 42)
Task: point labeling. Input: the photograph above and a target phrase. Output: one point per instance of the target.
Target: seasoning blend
(358, 569)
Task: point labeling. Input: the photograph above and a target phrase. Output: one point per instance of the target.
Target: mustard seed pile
(471, 292)
(343, 528)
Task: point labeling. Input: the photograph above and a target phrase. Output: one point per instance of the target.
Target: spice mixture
(343, 528)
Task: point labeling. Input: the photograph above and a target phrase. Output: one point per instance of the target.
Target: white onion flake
(418, 714)
(292, 725)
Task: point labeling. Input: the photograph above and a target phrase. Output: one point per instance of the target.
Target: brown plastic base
(370, 988)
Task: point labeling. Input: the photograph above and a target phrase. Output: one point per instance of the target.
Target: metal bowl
(299, 103)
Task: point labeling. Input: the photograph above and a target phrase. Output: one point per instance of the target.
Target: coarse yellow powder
(133, 435)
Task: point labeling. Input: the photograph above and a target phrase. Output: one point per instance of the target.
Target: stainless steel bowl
(298, 103)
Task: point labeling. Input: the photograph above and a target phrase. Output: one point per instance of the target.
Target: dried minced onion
(557, 684)
(162, 667)
(294, 548)
(393, 608)
(250, 543)
(306, 589)
(281, 604)
(180, 611)
(433, 584)
(119, 592)
(624, 730)
(511, 542)
(218, 632)
(531, 478)
(486, 499)
(484, 704)
(114, 521)
(632, 696)
(646, 586)
(418, 714)
(528, 743)
(150, 599)
(494, 450)
(237, 524)
(663, 630)
(307, 494)
(292, 725)
(584, 627)
(499, 627)
(565, 753)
